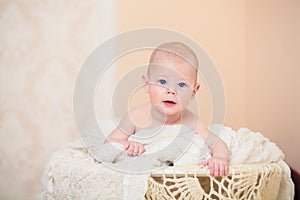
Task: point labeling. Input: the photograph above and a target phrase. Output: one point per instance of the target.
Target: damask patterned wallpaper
(42, 44)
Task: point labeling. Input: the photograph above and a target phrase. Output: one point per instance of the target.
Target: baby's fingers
(226, 170)
(141, 150)
(222, 170)
(205, 163)
(211, 167)
(130, 149)
(136, 149)
(216, 169)
(126, 145)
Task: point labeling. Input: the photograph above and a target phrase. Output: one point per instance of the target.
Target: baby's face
(171, 84)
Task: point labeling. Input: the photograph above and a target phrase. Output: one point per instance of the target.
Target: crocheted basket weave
(256, 181)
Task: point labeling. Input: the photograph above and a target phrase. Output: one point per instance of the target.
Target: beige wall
(273, 69)
(255, 46)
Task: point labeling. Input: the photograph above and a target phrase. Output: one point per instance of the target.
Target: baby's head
(172, 76)
(175, 53)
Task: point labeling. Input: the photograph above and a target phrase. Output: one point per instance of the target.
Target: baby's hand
(217, 166)
(134, 148)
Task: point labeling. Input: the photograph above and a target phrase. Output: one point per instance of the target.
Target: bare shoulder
(128, 125)
(202, 128)
(138, 117)
(193, 121)
(139, 110)
(138, 113)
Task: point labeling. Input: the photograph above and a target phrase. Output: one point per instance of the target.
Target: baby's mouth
(169, 103)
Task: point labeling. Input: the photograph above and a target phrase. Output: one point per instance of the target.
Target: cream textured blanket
(73, 174)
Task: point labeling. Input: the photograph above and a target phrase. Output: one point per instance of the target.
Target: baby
(171, 83)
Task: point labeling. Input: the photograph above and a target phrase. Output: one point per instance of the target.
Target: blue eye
(181, 84)
(162, 81)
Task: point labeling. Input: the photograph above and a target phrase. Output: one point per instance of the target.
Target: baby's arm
(218, 163)
(121, 135)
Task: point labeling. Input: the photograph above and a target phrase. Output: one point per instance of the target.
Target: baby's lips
(170, 102)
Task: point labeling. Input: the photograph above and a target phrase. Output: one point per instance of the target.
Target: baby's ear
(146, 83)
(196, 88)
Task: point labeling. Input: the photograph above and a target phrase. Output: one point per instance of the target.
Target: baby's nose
(170, 91)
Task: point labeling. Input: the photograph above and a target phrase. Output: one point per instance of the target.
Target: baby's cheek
(184, 98)
(154, 93)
